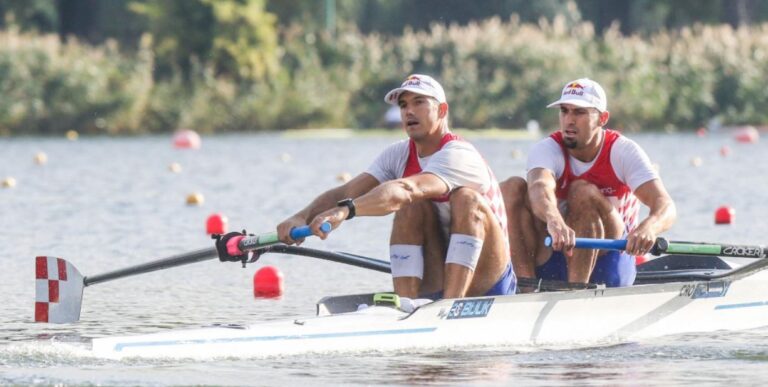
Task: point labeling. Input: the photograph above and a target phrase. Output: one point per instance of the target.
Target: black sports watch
(350, 205)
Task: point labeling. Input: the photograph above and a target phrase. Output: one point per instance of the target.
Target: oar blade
(58, 291)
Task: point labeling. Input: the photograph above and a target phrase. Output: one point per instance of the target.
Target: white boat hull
(572, 318)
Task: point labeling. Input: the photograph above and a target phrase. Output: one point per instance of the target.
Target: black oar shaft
(176, 260)
(205, 254)
(249, 243)
(346, 258)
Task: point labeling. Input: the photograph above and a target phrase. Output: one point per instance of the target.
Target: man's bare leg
(417, 225)
(590, 215)
(471, 215)
(526, 232)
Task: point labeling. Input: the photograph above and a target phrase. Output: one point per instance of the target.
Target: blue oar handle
(593, 243)
(305, 231)
(605, 244)
(659, 247)
(263, 240)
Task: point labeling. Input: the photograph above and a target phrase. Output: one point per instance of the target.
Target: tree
(238, 38)
(29, 15)
(738, 12)
(245, 38)
(78, 18)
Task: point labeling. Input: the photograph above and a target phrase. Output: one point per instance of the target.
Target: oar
(333, 256)
(245, 244)
(59, 285)
(663, 246)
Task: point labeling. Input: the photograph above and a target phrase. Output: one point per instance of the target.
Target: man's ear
(442, 110)
(604, 117)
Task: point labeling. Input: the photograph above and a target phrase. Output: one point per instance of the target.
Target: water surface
(105, 203)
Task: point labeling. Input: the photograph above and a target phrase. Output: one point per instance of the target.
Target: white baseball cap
(583, 92)
(419, 84)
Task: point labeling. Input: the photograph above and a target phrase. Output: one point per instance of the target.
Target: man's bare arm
(541, 193)
(358, 186)
(662, 214)
(392, 195)
(384, 199)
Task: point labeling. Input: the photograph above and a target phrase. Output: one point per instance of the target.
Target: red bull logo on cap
(583, 92)
(573, 88)
(412, 80)
(420, 84)
(416, 81)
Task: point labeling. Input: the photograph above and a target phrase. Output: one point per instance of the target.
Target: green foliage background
(234, 66)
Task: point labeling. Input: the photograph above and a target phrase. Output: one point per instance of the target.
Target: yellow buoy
(344, 177)
(516, 154)
(41, 158)
(72, 135)
(286, 157)
(195, 199)
(175, 167)
(8, 182)
(696, 161)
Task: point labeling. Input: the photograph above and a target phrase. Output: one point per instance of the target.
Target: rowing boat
(673, 294)
(713, 301)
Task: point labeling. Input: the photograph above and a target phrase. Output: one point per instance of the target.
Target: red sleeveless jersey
(492, 195)
(602, 175)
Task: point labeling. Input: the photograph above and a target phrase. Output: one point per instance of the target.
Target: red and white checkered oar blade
(58, 291)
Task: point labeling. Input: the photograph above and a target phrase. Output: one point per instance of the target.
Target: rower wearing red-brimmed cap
(584, 180)
(449, 234)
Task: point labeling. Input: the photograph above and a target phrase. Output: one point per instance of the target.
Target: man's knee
(414, 223)
(514, 191)
(582, 195)
(468, 204)
(413, 213)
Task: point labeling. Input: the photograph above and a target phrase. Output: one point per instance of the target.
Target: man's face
(420, 114)
(580, 125)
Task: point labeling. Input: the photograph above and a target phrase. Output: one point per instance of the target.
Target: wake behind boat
(672, 294)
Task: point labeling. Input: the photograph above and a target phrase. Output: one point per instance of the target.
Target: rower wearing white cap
(585, 181)
(449, 234)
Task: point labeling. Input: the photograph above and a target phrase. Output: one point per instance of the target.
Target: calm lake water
(105, 203)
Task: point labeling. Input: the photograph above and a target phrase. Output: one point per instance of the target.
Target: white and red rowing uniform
(619, 168)
(457, 163)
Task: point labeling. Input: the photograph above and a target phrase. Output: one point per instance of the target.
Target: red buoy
(216, 224)
(186, 139)
(746, 134)
(701, 132)
(725, 150)
(724, 215)
(268, 283)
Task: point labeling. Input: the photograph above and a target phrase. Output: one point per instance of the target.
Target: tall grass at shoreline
(497, 73)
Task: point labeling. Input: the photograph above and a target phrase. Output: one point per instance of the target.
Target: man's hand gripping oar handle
(234, 246)
(659, 247)
(663, 246)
